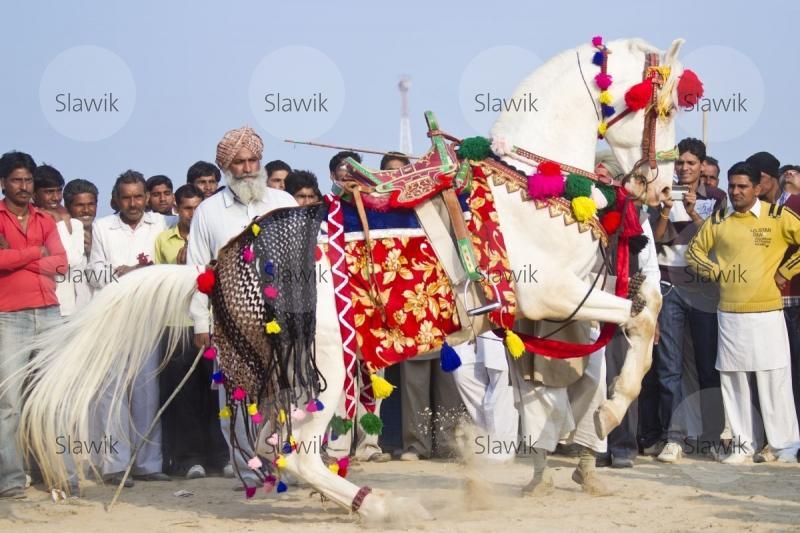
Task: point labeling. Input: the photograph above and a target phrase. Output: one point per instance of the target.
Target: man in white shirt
(216, 221)
(80, 199)
(48, 184)
(122, 243)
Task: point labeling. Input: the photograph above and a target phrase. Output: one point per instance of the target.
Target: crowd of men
(724, 380)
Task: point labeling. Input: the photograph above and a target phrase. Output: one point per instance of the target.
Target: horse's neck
(564, 129)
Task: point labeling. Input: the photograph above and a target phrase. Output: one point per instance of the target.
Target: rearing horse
(111, 338)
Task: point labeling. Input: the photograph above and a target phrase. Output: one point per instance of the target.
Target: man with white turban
(217, 220)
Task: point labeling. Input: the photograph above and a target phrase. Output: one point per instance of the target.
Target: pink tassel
(257, 418)
(311, 406)
(254, 463)
(272, 440)
(541, 187)
(269, 484)
(298, 414)
(270, 292)
(597, 40)
(249, 492)
(210, 352)
(239, 394)
(603, 81)
(248, 255)
(343, 463)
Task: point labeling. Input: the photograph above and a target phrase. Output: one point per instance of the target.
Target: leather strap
(354, 188)
(463, 239)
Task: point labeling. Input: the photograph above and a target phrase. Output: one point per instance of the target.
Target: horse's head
(630, 137)
(565, 127)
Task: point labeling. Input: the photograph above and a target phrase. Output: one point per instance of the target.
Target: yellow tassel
(380, 387)
(601, 129)
(514, 344)
(256, 229)
(334, 467)
(605, 98)
(280, 462)
(292, 442)
(252, 409)
(282, 416)
(584, 208)
(225, 412)
(272, 327)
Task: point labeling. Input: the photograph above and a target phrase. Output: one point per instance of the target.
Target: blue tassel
(282, 486)
(287, 448)
(269, 268)
(449, 359)
(217, 377)
(319, 404)
(334, 435)
(607, 110)
(597, 59)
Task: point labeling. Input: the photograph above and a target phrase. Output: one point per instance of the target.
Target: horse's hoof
(590, 483)
(604, 421)
(538, 487)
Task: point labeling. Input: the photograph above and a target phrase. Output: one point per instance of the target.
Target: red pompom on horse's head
(690, 89)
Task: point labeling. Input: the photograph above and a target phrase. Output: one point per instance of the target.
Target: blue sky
(192, 65)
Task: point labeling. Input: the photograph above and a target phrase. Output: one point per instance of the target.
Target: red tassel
(549, 168)
(639, 95)
(206, 281)
(630, 218)
(611, 221)
(690, 89)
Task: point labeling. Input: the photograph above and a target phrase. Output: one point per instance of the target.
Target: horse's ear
(672, 53)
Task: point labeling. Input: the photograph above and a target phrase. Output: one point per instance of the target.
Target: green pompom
(577, 186)
(609, 192)
(371, 424)
(340, 426)
(475, 148)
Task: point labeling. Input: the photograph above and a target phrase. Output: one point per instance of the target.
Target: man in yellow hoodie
(749, 240)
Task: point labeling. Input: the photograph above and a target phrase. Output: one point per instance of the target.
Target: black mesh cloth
(277, 371)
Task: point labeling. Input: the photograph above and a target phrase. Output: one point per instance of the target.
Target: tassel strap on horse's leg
(358, 499)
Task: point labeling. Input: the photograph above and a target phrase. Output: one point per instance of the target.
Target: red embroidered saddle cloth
(419, 304)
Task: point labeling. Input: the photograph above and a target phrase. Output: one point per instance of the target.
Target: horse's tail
(100, 349)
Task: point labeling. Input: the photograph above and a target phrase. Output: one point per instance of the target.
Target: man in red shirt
(31, 256)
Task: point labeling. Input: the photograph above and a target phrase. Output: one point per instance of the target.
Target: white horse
(111, 338)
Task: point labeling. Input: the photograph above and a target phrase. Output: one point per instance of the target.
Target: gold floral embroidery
(394, 265)
(429, 336)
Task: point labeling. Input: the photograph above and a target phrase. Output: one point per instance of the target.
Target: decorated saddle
(406, 187)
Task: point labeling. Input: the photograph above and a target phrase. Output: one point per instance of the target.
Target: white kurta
(752, 341)
(115, 244)
(483, 384)
(67, 282)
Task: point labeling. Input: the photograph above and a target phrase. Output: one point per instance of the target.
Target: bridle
(657, 76)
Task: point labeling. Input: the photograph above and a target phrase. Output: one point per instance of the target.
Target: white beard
(247, 189)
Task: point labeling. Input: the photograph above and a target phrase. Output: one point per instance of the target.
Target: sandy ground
(695, 495)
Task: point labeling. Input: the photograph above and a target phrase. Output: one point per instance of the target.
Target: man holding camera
(688, 301)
